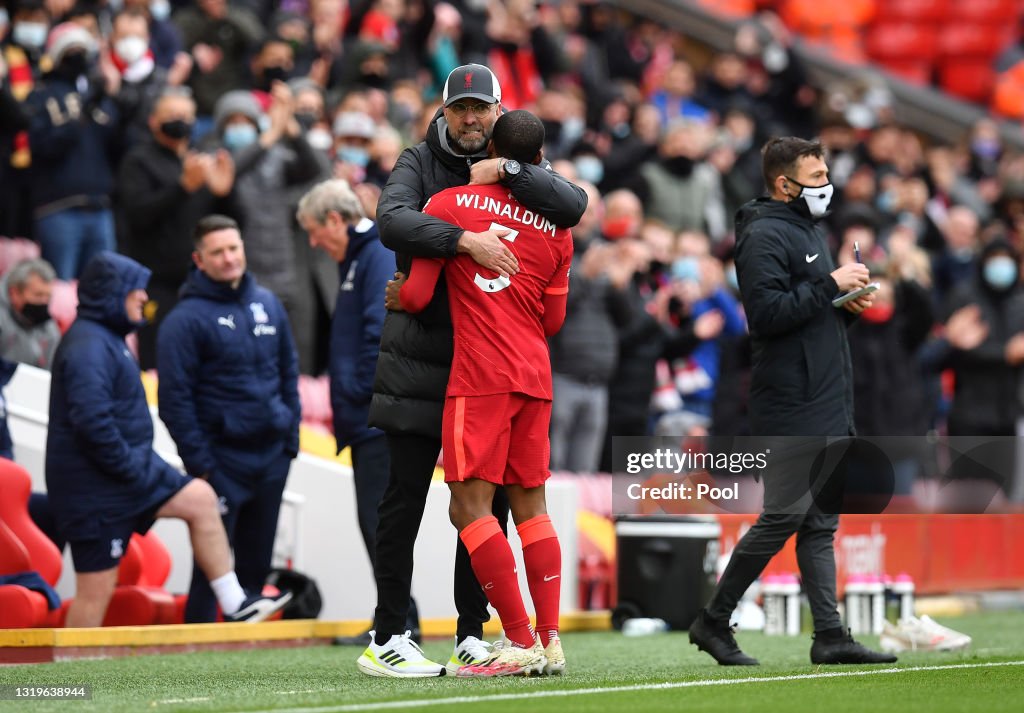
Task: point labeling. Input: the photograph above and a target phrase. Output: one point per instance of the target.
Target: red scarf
(19, 74)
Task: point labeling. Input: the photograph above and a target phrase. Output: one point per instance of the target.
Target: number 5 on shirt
(496, 284)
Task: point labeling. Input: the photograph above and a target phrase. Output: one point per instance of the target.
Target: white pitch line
(170, 701)
(455, 700)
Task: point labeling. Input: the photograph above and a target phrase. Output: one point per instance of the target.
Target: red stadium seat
(994, 11)
(902, 41)
(20, 607)
(139, 599)
(971, 40)
(918, 11)
(973, 81)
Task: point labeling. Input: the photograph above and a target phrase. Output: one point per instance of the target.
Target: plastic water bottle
(876, 593)
(773, 588)
(643, 626)
(903, 588)
(858, 604)
(790, 589)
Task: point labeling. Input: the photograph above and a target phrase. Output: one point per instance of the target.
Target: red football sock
(495, 569)
(543, 558)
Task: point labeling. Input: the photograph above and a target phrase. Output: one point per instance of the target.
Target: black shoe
(843, 649)
(363, 639)
(719, 642)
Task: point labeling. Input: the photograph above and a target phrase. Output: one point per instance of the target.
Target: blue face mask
(238, 136)
(686, 269)
(1000, 272)
(590, 169)
(354, 155)
(29, 34)
(160, 10)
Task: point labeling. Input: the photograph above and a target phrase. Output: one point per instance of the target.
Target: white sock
(229, 592)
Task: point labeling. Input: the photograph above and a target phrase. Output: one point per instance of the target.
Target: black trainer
(717, 640)
(843, 649)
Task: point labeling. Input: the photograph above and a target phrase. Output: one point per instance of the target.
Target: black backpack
(306, 601)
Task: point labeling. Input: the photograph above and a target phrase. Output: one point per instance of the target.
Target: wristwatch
(511, 168)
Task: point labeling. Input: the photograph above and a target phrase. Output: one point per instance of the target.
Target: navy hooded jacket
(100, 463)
(228, 373)
(355, 331)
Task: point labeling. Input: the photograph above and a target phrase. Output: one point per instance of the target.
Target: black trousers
(801, 498)
(371, 468)
(412, 465)
(250, 505)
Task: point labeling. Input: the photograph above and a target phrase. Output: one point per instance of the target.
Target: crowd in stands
(123, 127)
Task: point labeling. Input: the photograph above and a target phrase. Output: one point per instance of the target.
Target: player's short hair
(332, 195)
(518, 135)
(780, 156)
(211, 224)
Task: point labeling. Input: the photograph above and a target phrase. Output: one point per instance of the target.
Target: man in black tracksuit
(416, 349)
(801, 385)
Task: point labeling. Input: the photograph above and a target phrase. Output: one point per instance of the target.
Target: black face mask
(35, 314)
(679, 165)
(306, 119)
(176, 129)
(73, 65)
(274, 74)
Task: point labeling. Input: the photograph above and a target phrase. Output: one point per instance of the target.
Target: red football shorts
(502, 439)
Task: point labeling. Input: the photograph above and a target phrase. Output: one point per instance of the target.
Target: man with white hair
(333, 216)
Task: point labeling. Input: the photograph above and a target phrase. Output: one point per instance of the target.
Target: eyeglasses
(480, 110)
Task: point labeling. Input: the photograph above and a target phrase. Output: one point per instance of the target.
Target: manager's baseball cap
(471, 81)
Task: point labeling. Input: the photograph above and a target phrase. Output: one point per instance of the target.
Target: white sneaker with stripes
(398, 657)
(471, 652)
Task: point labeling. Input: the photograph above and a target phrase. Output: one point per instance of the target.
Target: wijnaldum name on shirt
(500, 209)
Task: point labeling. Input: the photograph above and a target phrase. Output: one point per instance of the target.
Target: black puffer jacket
(802, 378)
(416, 350)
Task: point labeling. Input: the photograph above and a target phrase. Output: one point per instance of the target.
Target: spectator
(104, 480)
(267, 164)
(142, 80)
(681, 190)
(584, 352)
(957, 262)
(333, 217)
(74, 133)
(986, 374)
(164, 189)
(165, 39)
(28, 334)
(220, 37)
(229, 396)
(20, 53)
(353, 132)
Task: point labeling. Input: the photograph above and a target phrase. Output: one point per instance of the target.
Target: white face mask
(131, 49)
(160, 9)
(320, 139)
(817, 197)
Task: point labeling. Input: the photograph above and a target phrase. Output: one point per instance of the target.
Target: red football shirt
(500, 346)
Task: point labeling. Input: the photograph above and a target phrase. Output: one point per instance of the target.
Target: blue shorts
(104, 552)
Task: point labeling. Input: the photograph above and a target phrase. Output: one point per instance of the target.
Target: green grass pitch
(606, 672)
